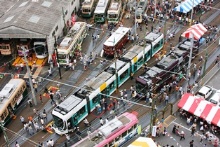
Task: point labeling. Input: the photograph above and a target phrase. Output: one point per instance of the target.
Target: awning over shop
(187, 5)
(201, 108)
(195, 31)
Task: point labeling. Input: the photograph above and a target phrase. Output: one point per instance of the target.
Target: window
(124, 75)
(66, 12)
(124, 134)
(4, 114)
(129, 131)
(95, 100)
(56, 28)
(81, 111)
(53, 33)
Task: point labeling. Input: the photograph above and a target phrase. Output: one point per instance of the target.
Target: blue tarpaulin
(187, 5)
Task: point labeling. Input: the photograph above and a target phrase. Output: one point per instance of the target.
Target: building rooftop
(29, 19)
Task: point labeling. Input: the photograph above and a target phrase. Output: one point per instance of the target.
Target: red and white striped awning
(201, 108)
(196, 31)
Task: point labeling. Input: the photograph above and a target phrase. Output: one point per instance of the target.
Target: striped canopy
(195, 31)
(187, 5)
(201, 108)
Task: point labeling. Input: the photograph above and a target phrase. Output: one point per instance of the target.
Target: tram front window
(140, 87)
(40, 49)
(61, 56)
(86, 10)
(99, 15)
(112, 15)
(58, 122)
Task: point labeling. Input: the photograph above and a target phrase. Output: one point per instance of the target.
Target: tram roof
(152, 72)
(133, 52)
(68, 104)
(114, 6)
(116, 36)
(7, 91)
(106, 131)
(152, 36)
(96, 82)
(29, 18)
(167, 62)
(101, 6)
(119, 64)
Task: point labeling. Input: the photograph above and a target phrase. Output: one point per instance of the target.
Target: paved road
(75, 75)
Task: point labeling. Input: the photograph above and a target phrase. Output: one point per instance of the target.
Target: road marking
(45, 135)
(196, 133)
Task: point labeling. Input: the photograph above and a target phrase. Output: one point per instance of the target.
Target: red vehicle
(116, 41)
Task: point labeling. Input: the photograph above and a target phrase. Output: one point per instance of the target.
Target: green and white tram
(73, 40)
(101, 11)
(11, 96)
(114, 12)
(77, 106)
(88, 7)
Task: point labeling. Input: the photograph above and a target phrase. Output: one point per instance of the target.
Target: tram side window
(95, 99)
(111, 144)
(129, 131)
(124, 134)
(135, 126)
(112, 85)
(156, 46)
(4, 114)
(124, 75)
(81, 111)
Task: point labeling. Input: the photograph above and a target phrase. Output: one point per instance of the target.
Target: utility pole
(152, 118)
(56, 52)
(5, 134)
(192, 14)
(29, 77)
(135, 15)
(64, 28)
(204, 67)
(190, 59)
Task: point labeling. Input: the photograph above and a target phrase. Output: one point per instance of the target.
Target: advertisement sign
(154, 130)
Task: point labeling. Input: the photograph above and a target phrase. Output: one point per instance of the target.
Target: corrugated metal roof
(37, 17)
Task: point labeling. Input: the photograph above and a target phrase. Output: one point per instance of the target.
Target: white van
(205, 92)
(215, 99)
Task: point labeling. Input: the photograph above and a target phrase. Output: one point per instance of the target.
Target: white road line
(197, 132)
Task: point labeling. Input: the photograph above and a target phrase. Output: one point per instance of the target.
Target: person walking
(49, 72)
(101, 121)
(41, 98)
(22, 119)
(166, 99)
(52, 100)
(30, 102)
(36, 126)
(86, 122)
(51, 143)
(193, 130)
(16, 144)
(191, 143)
(44, 115)
(182, 135)
(42, 122)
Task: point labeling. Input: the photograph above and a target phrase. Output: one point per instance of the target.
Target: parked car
(205, 92)
(215, 99)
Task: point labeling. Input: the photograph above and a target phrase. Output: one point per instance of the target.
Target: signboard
(154, 130)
